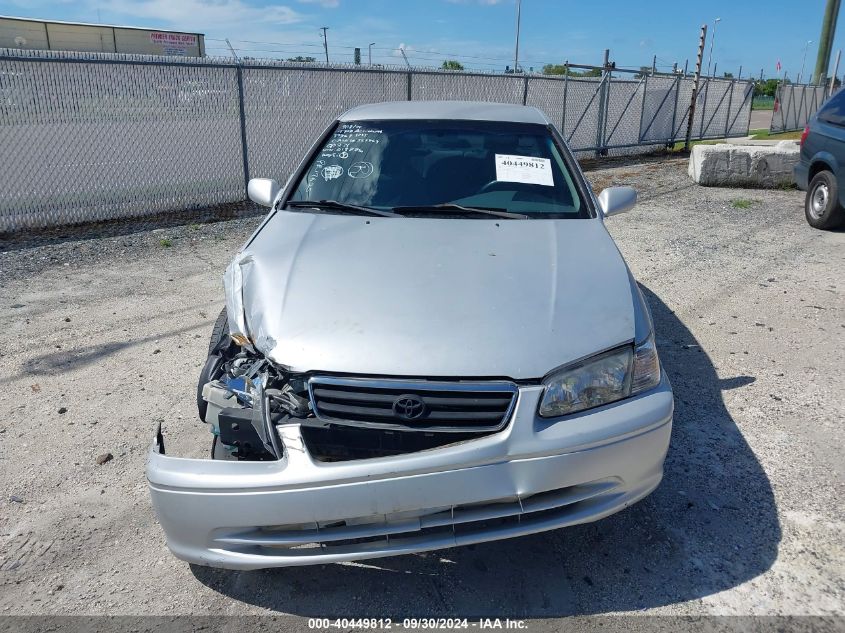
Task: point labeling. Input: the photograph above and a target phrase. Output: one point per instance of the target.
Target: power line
(287, 49)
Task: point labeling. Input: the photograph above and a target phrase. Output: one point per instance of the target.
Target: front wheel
(214, 363)
(821, 206)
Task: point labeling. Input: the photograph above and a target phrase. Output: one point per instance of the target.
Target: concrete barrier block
(728, 165)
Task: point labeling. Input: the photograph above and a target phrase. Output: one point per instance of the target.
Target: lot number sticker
(527, 169)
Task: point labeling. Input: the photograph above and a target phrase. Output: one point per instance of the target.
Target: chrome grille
(418, 405)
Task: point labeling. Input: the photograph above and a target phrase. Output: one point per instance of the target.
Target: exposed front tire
(214, 362)
(821, 206)
(219, 332)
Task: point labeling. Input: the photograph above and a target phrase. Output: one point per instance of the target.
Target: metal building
(29, 33)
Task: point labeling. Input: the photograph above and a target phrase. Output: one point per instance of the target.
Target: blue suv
(819, 171)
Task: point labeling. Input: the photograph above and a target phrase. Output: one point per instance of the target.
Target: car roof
(446, 110)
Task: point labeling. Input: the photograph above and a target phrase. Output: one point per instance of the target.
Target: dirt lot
(101, 338)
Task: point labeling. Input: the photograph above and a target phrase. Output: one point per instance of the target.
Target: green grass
(166, 242)
(741, 203)
(757, 135)
(679, 146)
(761, 135)
(763, 103)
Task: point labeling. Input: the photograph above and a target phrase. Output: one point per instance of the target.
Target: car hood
(430, 297)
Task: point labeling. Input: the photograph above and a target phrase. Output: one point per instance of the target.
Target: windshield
(413, 165)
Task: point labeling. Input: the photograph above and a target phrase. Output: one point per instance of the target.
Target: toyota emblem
(409, 406)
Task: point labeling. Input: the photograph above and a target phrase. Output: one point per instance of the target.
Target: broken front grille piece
(413, 405)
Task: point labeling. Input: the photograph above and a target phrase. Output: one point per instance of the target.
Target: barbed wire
(425, 54)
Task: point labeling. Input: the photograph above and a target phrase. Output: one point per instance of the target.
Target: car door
(829, 131)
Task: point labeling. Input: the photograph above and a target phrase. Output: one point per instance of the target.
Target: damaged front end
(245, 402)
(245, 399)
(242, 395)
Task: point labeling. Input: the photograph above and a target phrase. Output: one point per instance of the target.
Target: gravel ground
(102, 337)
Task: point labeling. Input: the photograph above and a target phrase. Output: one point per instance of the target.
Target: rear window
(834, 110)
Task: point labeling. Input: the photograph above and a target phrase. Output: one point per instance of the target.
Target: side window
(834, 110)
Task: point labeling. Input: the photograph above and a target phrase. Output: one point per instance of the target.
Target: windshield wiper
(334, 205)
(457, 208)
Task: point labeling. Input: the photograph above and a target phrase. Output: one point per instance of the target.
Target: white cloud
(203, 15)
(326, 4)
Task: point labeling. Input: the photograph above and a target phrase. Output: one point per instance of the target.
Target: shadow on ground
(55, 363)
(711, 525)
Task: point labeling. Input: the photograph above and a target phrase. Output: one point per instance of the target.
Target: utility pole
(370, 52)
(653, 65)
(804, 60)
(516, 48)
(712, 40)
(702, 38)
(405, 57)
(325, 42)
(831, 14)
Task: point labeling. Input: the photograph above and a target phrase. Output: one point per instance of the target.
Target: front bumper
(801, 174)
(535, 475)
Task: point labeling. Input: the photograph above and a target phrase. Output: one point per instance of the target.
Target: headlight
(601, 379)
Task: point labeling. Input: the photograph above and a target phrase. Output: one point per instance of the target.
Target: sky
(754, 34)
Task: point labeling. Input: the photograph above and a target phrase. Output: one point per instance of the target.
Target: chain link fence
(794, 105)
(89, 137)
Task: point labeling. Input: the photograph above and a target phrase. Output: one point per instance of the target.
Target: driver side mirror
(263, 191)
(614, 200)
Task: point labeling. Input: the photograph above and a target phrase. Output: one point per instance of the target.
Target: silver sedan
(430, 341)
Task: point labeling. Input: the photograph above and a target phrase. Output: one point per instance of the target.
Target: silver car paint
(446, 111)
(431, 297)
(203, 505)
(206, 507)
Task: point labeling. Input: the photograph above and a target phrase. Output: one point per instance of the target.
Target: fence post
(799, 116)
(728, 114)
(239, 72)
(601, 115)
(701, 39)
(642, 110)
(671, 142)
(409, 85)
(788, 92)
(751, 94)
(704, 107)
(565, 90)
(603, 92)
